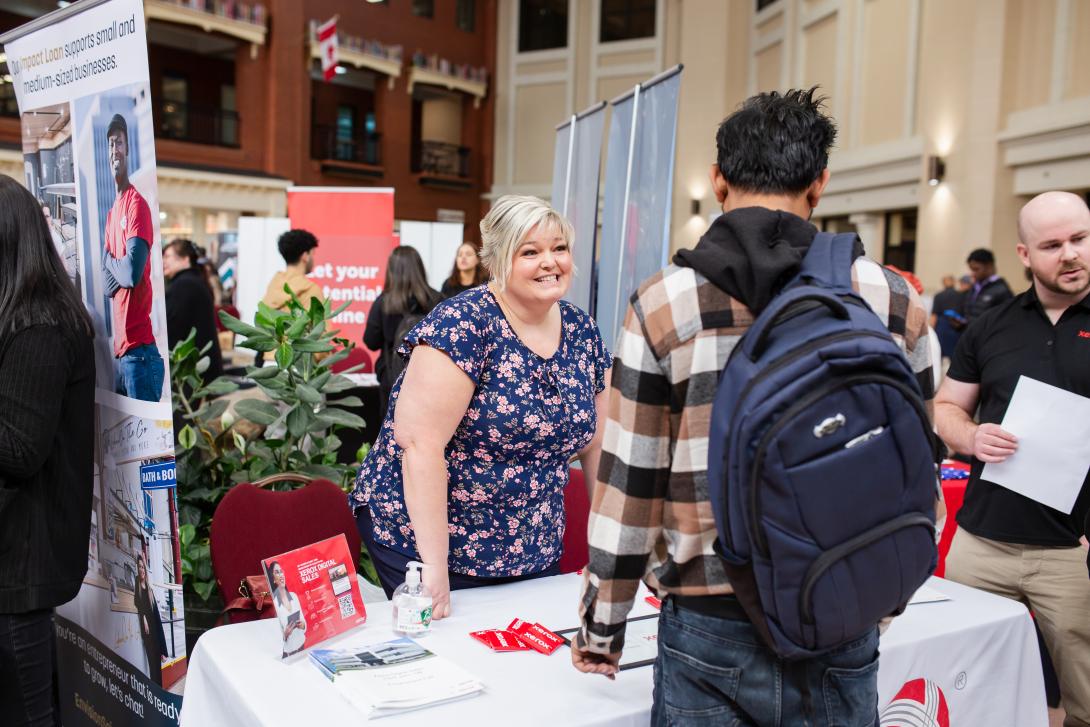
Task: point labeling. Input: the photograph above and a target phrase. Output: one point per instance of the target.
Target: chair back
(577, 511)
(251, 524)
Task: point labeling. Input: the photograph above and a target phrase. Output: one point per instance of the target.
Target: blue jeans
(27, 689)
(717, 671)
(140, 373)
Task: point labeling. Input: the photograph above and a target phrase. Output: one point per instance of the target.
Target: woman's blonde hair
(508, 223)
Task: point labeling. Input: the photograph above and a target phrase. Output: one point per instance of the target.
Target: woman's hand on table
(437, 582)
(590, 663)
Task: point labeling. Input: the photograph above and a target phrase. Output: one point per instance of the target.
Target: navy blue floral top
(507, 463)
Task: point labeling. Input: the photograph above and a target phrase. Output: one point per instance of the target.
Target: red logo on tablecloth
(920, 703)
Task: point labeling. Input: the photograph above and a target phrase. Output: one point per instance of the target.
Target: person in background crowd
(126, 273)
(297, 249)
(189, 303)
(947, 299)
(211, 275)
(504, 387)
(988, 291)
(47, 390)
(1007, 543)
(467, 271)
(650, 517)
(405, 299)
(151, 623)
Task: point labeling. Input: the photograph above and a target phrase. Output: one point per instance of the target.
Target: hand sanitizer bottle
(412, 604)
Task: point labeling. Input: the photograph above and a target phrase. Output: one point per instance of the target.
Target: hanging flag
(327, 45)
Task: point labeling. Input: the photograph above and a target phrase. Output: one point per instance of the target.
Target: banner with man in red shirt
(126, 272)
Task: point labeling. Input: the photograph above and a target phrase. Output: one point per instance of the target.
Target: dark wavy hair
(293, 243)
(480, 274)
(776, 143)
(34, 287)
(406, 281)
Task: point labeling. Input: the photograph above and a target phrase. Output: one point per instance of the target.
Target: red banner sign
(355, 231)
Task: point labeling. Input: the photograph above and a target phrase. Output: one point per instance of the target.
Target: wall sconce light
(694, 207)
(936, 170)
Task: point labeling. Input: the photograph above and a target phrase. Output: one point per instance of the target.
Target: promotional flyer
(315, 593)
(81, 80)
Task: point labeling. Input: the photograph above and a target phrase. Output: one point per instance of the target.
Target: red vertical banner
(355, 231)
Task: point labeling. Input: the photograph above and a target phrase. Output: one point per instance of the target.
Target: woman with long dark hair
(468, 271)
(406, 298)
(151, 623)
(47, 387)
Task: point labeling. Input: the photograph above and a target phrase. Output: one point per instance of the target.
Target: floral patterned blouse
(507, 463)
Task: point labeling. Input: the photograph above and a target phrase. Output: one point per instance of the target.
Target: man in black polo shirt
(1007, 543)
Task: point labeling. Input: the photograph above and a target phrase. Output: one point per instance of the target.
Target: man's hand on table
(591, 663)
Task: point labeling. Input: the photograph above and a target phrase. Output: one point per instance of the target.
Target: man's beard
(1056, 286)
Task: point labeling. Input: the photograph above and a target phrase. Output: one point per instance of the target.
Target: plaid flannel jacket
(651, 518)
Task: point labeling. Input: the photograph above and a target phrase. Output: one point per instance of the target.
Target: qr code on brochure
(347, 607)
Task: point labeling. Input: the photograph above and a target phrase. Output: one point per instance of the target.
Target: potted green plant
(290, 426)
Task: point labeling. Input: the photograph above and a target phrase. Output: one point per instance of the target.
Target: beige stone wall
(997, 88)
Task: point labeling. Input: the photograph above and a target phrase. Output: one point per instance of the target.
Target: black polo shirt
(1014, 339)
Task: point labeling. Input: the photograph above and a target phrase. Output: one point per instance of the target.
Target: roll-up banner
(355, 231)
(81, 80)
(639, 189)
(575, 194)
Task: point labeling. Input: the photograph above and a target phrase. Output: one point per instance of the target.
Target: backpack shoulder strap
(828, 262)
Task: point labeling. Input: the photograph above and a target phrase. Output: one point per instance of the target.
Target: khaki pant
(1054, 584)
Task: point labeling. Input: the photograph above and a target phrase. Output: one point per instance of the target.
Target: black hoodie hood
(751, 253)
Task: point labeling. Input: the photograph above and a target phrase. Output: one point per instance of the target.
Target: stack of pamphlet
(393, 676)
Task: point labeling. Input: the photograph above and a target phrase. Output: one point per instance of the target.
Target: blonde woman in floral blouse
(503, 388)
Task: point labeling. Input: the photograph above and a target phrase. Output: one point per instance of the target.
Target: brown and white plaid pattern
(651, 518)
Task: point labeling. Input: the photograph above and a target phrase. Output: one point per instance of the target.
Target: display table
(979, 649)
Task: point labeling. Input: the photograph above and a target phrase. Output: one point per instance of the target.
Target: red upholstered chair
(356, 356)
(577, 508)
(251, 524)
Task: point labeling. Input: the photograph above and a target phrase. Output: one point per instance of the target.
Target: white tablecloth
(979, 649)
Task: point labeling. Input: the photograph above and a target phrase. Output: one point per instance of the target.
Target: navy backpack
(821, 464)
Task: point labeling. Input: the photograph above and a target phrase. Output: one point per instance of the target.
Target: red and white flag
(327, 46)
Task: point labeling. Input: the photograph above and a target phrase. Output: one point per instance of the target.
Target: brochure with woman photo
(315, 593)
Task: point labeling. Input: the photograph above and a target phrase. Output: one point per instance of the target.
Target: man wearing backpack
(1007, 543)
(652, 517)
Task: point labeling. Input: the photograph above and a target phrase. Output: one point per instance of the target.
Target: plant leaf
(299, 419)
(308, 394)
(187, 437)
(341, 418)
(236, 326)
(284, 355)
(311, 346)
(258, 373)
(321, 470)
(257, 411)
(351, 401)
(219, 387)
(295, 330)
(203, 588)
(258, 343)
